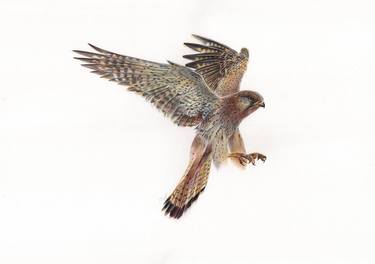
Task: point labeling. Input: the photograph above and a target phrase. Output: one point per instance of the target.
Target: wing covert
(177, 91)
(221, 67)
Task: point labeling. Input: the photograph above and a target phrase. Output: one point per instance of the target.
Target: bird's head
(244, 53)
(244, 103)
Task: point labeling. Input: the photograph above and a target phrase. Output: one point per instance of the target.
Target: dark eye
(245, 100)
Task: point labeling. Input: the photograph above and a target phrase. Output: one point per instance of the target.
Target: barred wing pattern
(177, 91)
(221, 67)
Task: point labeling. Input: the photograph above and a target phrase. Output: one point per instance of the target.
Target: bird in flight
(203, 94)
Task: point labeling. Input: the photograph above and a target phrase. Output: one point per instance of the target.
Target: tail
(193, 182)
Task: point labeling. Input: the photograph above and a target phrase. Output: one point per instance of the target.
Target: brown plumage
(194, 180)
(222, 68)
(207, 98)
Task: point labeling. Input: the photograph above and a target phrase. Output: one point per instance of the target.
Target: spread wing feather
(177, 91)
(221, 67)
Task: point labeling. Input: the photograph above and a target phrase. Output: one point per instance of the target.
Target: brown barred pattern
(177, 91)
(221, 67)
(193, 183)
(207, 98)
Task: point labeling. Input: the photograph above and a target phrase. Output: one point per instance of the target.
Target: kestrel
(203, 94)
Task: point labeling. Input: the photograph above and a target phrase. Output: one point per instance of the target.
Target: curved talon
(243, 161)
(262, 157)
(248, 158)
(253, 161)
(241, 157)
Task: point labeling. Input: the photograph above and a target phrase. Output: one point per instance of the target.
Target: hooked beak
(261, 104)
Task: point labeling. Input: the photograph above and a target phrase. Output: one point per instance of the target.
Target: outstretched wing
(177, 91)
(221, 67)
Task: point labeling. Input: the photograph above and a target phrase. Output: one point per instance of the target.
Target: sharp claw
(245, 159)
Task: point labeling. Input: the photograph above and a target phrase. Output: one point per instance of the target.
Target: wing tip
(86, 54)
(172, 63)
(97, 48)
(190, 45)
(202, 47)
(200, 38)
(190, 56)
(92, 46)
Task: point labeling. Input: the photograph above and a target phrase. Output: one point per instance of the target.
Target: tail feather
(192, 183)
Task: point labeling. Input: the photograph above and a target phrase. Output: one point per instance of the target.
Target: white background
(85, 166)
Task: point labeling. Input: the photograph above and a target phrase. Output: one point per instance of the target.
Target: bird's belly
(220, 149)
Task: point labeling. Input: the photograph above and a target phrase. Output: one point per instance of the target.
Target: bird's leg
(248, 158)
(236, 145)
